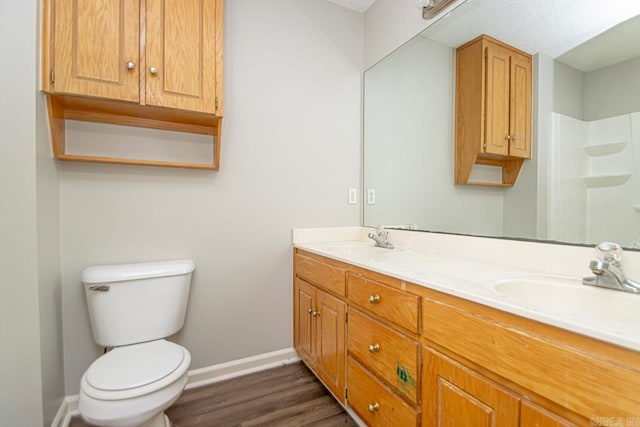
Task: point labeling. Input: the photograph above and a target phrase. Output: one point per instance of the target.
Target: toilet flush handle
(99, 288)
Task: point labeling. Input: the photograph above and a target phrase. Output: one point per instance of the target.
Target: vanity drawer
(375, 403)
(391, 356)
(320, 274)
(398, 307)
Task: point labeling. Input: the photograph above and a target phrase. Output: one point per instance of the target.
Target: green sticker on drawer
(405, 379)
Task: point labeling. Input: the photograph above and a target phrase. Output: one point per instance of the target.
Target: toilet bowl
(133, 385)
(132, 308)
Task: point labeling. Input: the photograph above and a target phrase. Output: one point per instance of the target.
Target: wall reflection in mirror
(582, 184)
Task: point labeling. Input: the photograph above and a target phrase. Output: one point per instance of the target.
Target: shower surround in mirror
(408, 150)
(597, 175)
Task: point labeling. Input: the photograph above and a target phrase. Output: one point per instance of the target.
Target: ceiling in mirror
(549, 26)
(620, 43)
(357, 5)
(582, 184)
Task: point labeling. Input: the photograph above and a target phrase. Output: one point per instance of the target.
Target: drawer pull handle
(374, 348)
(374, 299)
(373, 407)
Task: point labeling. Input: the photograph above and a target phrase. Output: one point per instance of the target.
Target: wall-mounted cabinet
(150, 63)
(493, 109)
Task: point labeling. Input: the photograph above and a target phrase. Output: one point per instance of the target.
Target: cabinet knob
(508, 137)
(310, 311)
(153, 70)
(374, 299)
(316, 314)
(131, 65)
(513, 138)
(373, 407)
(374, 348)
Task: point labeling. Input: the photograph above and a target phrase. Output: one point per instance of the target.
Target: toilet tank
(134, 303)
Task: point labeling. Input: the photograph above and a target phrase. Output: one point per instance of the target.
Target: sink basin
(566, 296)
(354, 249)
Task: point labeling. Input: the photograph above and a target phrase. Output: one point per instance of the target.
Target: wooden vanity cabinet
(415, 356)
(320, 325)
(151, 63)
(384, 361)
(458, 396)
(559, 378)
(493, 108)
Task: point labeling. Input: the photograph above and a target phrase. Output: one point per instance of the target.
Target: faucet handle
(380, 231)
(609, 252)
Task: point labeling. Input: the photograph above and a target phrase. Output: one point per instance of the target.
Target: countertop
(557, 300)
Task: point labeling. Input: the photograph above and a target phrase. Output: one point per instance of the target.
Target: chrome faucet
(608, 270)
(381, 238)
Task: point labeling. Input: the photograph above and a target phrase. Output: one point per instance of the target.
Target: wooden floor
(286, 396)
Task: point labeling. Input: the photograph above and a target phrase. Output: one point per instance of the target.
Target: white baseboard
(68, 408)
(236, 368)
(200, 377)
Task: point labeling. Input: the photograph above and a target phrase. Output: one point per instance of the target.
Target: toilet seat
(135, 370)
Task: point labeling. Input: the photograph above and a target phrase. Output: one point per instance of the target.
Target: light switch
(371, 196)
(353, 196)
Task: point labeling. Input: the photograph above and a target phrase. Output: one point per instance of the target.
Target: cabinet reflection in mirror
(582, 184)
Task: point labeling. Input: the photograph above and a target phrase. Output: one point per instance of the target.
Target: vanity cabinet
(382, 358)
(155, 64)
(458, 396)
(559, 378)
(320, 323)
(493, 109)
(415, 356)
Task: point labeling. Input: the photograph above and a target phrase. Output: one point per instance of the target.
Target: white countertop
(557, 300)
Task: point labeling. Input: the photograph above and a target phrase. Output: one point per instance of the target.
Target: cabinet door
(181, 54)
(532, 415)
(330, 350)
(497, 100)
(94, 42)
(305, 327)
(456, 396)
(520, 107)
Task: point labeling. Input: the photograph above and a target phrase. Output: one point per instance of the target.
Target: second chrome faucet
(608, 270)
(380, 236)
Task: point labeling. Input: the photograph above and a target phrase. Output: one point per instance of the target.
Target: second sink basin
(567, 296)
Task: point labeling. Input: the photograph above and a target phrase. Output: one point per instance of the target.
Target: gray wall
(31, 326)
(290, 151)
(49, 281)
(568, 90)
(408, 154)
(613, 90)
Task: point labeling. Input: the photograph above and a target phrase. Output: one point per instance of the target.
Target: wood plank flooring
(287, 396)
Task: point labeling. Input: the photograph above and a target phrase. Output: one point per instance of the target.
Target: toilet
(132, 308)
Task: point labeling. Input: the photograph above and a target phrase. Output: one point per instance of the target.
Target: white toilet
(133, 307)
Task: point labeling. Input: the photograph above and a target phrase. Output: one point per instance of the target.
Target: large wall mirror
(582, 184)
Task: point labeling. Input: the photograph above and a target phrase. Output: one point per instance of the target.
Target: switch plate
(371, 196)
(353, 196)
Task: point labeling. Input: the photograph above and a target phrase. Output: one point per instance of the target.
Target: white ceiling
(551, 27)
(616, 45)
(357, 5)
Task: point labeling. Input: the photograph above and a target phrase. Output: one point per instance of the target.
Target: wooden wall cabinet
(493, 109)
(147, 63)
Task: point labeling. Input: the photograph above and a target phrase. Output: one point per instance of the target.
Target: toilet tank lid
(142, 270)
